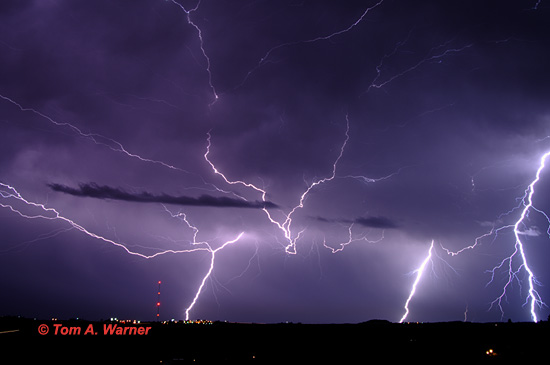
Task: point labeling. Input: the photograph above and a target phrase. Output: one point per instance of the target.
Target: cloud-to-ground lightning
(53, 214)
(423, 61)
(208, 273)
(533, 298)
(284, 226)
(10, 193)
(212, 251)
(419, 273)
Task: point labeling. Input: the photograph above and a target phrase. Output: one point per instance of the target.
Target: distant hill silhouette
(221, 342)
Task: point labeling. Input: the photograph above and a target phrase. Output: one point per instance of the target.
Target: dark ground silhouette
(79, 341)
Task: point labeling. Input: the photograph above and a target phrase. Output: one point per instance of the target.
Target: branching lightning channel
(10, 193)
(375, 84)
(533, 298)
(209, 272)
(316, 39)
(284, 226)
(14, 201)
(350, 240)
(201, 41)
(419, 273)
(212, 251)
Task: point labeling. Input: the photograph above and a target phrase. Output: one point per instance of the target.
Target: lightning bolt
(10, 195)
(201, 41)
(264, 59)
(350, 240)
(211, 268)
(419, 273)
(94, 137)
(526, 201)
(429, 58)
(9, 192)
(533, 297)
(183, 217)
(284, 226)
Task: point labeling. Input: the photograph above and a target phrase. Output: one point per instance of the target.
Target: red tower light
(158, 301)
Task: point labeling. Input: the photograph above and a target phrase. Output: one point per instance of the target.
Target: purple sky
(439, 110)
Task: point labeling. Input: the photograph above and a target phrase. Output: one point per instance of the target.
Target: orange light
(158, 304)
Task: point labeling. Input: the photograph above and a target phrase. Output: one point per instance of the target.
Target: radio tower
(158, 303)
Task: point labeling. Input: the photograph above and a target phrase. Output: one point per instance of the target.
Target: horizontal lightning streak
(53, 214)
(9, 192)
(412, 68)
(94, 137)
(477, 240)
(350, 240)
(320, 38)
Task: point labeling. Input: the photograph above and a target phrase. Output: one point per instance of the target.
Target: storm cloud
(369, 222)
(443, 105)
(92, 190)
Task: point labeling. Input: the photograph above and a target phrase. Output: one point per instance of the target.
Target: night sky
(402, 121)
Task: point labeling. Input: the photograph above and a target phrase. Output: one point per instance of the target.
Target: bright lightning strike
(419, 273)
(533, 297)
(8, 192)
(516, 263)
(211, 268)
(195, 230)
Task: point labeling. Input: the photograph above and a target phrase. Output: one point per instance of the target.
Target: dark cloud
(376, 222)
(92, 190)
(370, 222)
